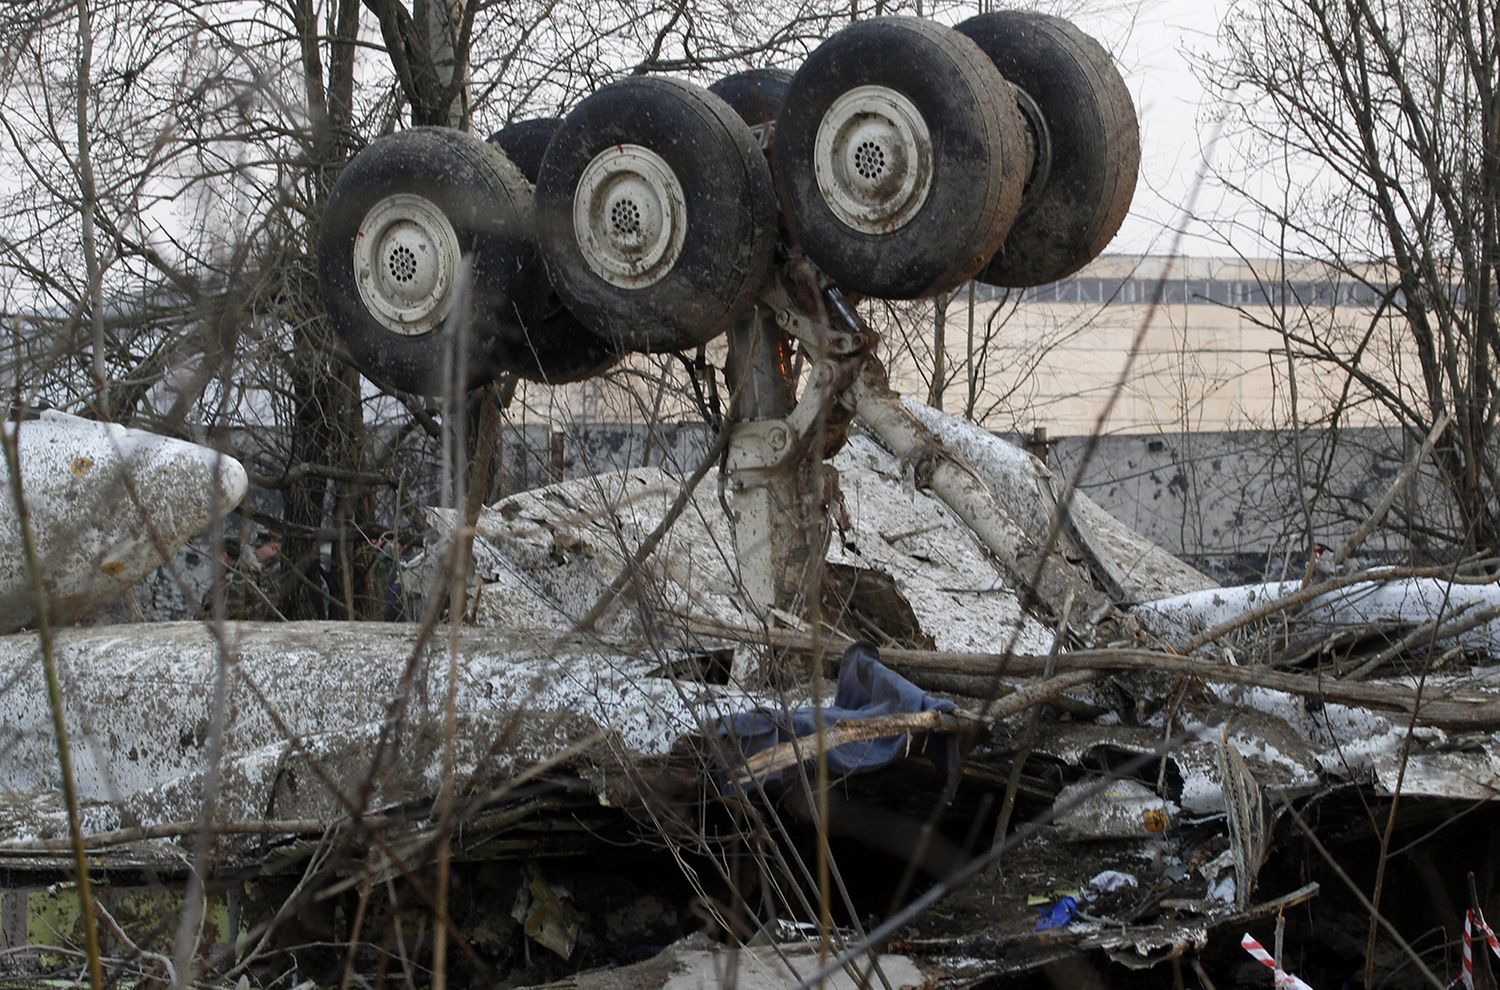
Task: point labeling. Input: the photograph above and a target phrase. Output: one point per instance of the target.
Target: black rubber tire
(729, 235)
(559, 348)
(757, 95)
(525, 142)
(979, 157)
(1077, 202)
(484, 198)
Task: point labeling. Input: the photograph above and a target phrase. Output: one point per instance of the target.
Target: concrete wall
(1189, 344)
(1233, 504)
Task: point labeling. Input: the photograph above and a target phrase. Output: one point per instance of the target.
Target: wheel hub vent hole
(625, 217)
(402, 263)
(869, 160)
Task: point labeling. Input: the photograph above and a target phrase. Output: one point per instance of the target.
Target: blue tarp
(867, 688)
(1059, 915)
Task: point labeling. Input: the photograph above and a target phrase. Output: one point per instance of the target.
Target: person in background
(252, 581)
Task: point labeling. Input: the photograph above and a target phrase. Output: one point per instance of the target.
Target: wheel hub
(629, 216)
(1039, 142)
(873, 159)
(405, 257)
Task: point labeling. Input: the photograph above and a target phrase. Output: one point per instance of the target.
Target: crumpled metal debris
(1162, 803)
(107, 505)
(543, 558)
(1118, 809)
(295, 741)
(1387, 601)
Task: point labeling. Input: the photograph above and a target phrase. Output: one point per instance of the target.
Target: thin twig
(1338, 870)
(1456, 623)
(1018, 762)
(632, 568)
(789, 754)
(11, 440)
(1408, 472)
(1307, 593)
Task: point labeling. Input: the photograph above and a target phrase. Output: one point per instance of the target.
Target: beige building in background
(1204, 332)
(1196, 453)
(1189, 344)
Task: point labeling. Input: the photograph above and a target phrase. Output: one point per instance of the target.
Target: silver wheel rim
(629, 216)
(405, 257)
(873, 159)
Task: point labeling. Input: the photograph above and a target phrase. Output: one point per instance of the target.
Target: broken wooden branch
(1456, 623)
(794, 751)
(1408, 472)
(1449, 711)
(1452, 710)
(1309, 592)
(1028, 697)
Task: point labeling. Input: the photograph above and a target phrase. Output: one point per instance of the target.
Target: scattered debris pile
(1141, 781)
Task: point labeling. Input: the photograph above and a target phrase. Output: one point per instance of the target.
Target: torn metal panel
(138, 706)
(107, 505)
(1120, 809)
(1043, 572)
(1138, 569)
(549, 554)
(1245, 808)
(41, 925)
(1472, 774)
(957, 590)
(1196, 780)
(559, 547)
(696, 964)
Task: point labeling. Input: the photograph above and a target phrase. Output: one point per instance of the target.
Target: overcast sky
(1153, 58)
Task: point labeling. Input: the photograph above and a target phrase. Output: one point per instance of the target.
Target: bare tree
(1370, 133)
(159, 250)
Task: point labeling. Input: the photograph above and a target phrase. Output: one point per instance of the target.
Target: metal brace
(776, 491)
(825, 324)
(836, 339)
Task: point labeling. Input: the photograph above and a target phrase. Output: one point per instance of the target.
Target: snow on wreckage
(1119, 741)
(542, 697)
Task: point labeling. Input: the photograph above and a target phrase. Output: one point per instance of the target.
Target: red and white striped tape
(1284, 980)
(1472, 920)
